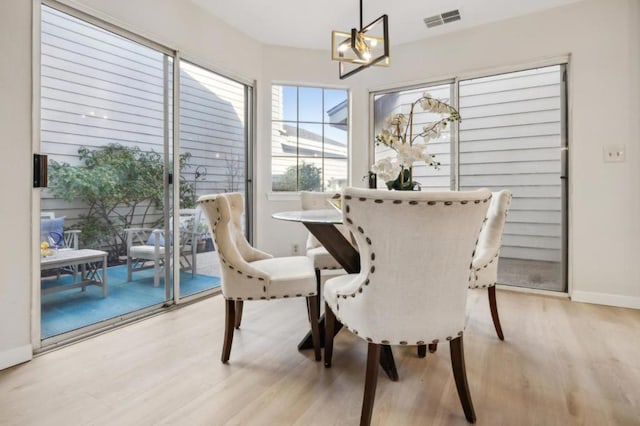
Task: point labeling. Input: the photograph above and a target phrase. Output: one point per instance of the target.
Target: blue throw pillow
(152, 239)
(52, 225)
(53, 228)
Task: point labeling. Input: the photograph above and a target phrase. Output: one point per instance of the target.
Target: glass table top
(325, 216)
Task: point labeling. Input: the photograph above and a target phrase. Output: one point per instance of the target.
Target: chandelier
(360, 49)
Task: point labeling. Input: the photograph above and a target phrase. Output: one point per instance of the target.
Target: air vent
(443, 18)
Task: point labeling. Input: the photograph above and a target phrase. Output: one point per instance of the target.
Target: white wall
(602, 37)
(15, 181)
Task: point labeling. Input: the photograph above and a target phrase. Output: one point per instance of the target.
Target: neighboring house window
(309, 138)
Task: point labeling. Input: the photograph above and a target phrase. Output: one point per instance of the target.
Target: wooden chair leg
(460, 376)
(312, 303)
(422, 351)
(239, 306)
(329, 327)
(388, 363)
(494, 311)
(229, 323)
(370, 383)
(318, 287)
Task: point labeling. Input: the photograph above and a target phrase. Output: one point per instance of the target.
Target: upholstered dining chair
(251, 274)
(321, 258)
(485, 261)
(416, 250)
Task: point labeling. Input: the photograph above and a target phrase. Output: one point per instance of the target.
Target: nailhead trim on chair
(224, 260)
(368, 240)
(388, 342)
(373, 256)
(494, 258)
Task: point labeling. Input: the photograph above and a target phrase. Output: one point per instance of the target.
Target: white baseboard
(15, 356)
(606, 299)
(528, 290)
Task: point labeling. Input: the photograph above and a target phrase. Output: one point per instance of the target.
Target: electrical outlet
(613, 153)
(294, 249)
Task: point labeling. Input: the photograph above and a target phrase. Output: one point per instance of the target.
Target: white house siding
(510, 137)
(212, 129)
(99, 88)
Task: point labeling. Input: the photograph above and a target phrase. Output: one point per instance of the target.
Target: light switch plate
(613, 153)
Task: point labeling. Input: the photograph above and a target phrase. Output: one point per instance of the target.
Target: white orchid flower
(387, 169)
(409, 154)
(395, 136)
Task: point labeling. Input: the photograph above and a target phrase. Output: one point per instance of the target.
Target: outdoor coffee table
(88, 262)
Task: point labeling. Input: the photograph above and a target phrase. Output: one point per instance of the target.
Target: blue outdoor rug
(72, 309)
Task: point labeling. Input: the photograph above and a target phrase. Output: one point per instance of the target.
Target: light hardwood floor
(562, 363)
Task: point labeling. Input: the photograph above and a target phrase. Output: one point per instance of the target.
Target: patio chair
(146, 246)
(416, 250)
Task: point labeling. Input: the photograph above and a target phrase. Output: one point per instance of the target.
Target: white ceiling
(308, 24)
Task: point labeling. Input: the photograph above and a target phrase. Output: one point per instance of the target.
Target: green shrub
(121, 186)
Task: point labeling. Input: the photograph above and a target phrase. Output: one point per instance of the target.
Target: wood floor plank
(562, 363)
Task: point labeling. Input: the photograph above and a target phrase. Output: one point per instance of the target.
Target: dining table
(322, 225)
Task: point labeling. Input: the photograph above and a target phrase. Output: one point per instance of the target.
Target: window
(309, 138)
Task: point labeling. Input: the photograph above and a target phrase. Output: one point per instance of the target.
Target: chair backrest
(415, 252)
(490, 238)
(318, 201)
(224, 212)
(189, 220)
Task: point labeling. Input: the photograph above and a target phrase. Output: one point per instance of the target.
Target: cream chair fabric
(315, 251)
(485, 262)
(416, 250)
(251, 274)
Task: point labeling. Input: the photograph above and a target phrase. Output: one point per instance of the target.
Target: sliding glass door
(214, 132)
(120, 232)
(105, 127)
(512, 135)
